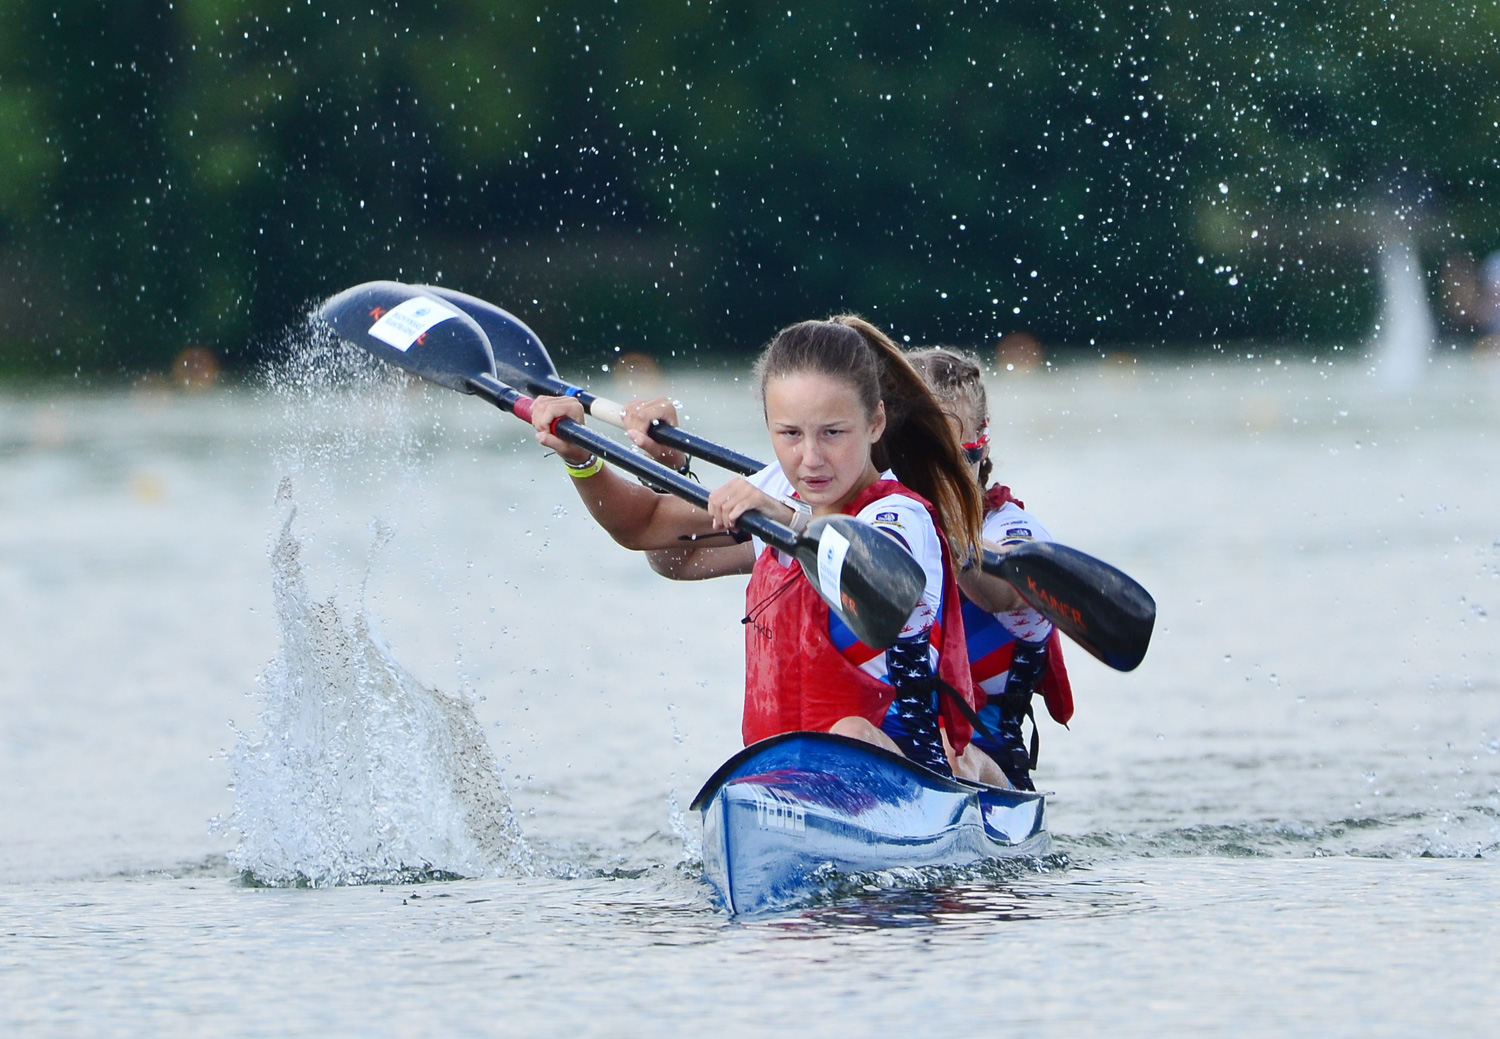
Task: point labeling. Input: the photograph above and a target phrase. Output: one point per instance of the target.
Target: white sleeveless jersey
(905, 520)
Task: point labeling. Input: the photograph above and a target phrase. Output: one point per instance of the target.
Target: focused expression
(822, 437)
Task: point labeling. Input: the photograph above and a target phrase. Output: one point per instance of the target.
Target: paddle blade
(1097, 606)
(514, 345)
(866, 577)
(412, 330)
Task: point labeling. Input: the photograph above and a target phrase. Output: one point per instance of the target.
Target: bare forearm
(636, 517)
(701, 562)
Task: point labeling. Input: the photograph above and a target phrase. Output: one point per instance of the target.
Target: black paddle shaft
(510, 399)
(868, 579)
(661, 432)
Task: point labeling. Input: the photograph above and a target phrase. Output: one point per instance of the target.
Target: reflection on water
(973, 905)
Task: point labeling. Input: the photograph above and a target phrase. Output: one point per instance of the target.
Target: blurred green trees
(681, 175)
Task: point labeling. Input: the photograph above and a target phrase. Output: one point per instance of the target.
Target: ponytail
(918, 445)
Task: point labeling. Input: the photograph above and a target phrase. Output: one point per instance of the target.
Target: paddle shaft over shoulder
(522, 360)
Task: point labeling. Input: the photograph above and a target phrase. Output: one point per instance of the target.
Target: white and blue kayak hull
(782, 812)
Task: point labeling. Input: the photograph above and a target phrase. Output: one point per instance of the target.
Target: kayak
(783, 812)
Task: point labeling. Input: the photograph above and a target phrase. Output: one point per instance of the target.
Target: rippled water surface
(381, 616)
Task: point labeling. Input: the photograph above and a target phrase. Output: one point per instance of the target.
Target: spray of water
(362, 774)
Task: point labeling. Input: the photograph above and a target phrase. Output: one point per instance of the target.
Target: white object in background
(1404, 337)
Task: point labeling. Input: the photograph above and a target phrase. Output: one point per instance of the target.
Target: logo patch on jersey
(1018, 532)
(888, 517)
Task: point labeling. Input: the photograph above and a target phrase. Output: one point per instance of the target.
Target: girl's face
(822, 437)
(968, 429)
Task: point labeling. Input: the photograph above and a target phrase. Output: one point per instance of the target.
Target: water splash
(692, 844)
(362, 774)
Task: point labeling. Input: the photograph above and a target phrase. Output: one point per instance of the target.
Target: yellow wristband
(584, 470)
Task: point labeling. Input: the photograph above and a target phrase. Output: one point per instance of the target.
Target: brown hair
(957, 380)
(918, 444)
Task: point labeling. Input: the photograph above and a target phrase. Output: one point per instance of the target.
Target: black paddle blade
(864, 576)
(514, 345)
(1097, 606)
(412, 330)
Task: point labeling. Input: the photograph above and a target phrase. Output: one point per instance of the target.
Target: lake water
(382, 615)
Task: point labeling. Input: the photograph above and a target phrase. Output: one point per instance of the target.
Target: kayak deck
(787, 808)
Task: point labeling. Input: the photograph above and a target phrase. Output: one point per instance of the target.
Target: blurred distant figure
(638, 374)
(1487, 305)
(1460, 290)
(195, 369)
(1472, 294)
(1018, 352)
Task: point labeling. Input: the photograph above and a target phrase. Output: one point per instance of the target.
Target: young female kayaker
(1013, 650)
(846, 414)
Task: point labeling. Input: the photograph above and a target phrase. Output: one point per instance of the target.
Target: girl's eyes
(823, 432)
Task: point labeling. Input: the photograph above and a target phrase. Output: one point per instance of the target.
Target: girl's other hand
(639, 416)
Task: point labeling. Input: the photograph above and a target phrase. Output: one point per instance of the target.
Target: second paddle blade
(866, 577)
(1097, 606)
(514, 344)
(412, 330)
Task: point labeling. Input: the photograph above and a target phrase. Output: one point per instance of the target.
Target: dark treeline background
(688, 175)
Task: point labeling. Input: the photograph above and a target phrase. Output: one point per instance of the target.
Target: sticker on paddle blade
(832, 548)
(406, 322)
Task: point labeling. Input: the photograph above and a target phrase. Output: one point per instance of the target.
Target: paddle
(1099, 607)
(522, 360)
(867, 579)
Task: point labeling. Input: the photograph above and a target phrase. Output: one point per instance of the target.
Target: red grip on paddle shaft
(523, 411)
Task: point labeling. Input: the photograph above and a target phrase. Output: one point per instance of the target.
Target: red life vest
(797, 680)
(1056, 690)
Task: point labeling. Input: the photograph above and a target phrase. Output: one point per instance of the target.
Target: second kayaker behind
(847, 415)
(1013, 650)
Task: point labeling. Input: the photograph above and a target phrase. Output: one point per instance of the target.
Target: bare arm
(991, 594)
(702, 562)
(686, 562)
(634, 516)
(640, 519)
